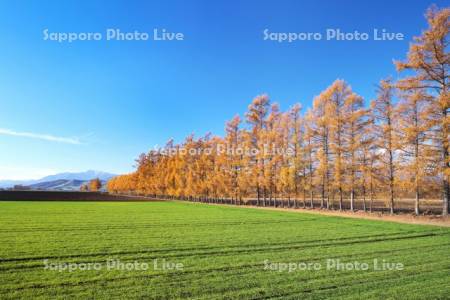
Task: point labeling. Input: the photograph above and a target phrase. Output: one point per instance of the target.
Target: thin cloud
(44, 137)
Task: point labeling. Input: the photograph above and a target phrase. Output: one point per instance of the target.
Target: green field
(222, 252)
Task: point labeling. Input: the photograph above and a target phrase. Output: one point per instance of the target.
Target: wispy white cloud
(39, 136)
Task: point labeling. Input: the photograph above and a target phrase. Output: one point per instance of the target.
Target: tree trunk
(391, 181)
(364, 196)
(391, 202)
(352, 200)
(322, 202)
(446, 197)
(445, 184)
(416, 208)
(264, 197)
(257, 196)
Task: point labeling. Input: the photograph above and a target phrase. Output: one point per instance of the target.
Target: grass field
(221, 252)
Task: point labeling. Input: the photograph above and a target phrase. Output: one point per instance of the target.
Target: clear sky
(98, 104)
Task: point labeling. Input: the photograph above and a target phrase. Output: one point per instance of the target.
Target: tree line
(339, 150)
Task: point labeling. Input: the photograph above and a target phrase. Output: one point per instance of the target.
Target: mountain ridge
(66, 176)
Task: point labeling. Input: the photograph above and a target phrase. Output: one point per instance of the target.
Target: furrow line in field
(241, 269)
(133, 227)
(240, 248)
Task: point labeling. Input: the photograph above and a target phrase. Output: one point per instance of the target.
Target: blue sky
(98, 104)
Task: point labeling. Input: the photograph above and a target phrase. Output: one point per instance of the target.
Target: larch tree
(336, 116)
(383, 113)
(190, 174)
(272, 161)
(321, 128)
(414, 137)
(220, 178)
(246, 179)
(309, 155)
(429, 59)
(231, 147)
(285, 155)
(284, 172)
(356, 122)
(368, 163)
(298, 172)
(256, 118)
(95, 185)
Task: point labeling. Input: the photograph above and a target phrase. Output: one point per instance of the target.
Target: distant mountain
(60, 185)
(88, 175)
(61, 181)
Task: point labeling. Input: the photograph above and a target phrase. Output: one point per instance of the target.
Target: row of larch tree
(338, 153)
